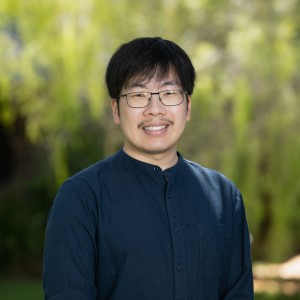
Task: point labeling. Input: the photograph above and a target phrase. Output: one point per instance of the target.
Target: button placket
(177, 241)
(156, 169)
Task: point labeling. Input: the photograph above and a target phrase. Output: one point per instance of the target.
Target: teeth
(155, 127)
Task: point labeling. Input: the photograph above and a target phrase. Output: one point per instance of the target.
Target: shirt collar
(149, 168)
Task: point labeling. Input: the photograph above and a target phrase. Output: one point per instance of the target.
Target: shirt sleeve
(239, 279)
(70, 246)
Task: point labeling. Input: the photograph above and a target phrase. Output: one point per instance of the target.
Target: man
(145, 223)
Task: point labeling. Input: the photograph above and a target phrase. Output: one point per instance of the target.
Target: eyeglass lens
(142, 99)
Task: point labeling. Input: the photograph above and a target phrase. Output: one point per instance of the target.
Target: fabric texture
(124, 229)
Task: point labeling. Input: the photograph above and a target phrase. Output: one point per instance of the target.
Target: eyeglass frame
(150, 99)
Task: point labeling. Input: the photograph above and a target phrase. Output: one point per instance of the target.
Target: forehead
(156, 80)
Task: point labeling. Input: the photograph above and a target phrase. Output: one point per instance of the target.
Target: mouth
(155, 128)
(155, 125)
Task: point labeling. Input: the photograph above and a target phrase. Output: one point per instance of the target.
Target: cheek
(128, 119)
(183, 116)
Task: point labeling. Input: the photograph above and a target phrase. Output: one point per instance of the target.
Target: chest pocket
(212, 247)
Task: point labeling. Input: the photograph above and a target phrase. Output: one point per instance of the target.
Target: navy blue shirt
(124, 229)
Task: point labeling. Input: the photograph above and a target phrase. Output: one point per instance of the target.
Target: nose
(155, 107)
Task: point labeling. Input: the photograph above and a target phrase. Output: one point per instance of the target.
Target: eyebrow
(135, 84)
(141, 85)
(171, 82)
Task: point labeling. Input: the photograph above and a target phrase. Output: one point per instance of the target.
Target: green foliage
(245, 118)
(21, 289)
(23, 216)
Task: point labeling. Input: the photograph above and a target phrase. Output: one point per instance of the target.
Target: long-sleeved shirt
(125, 229)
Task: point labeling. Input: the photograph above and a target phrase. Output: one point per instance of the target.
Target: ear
(189, 108)
(115, 111)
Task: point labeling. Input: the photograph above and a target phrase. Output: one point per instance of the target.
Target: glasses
(143, 99)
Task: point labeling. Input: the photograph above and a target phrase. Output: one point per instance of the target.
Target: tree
(55, 114)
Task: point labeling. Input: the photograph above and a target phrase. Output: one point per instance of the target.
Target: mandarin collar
(147, 167)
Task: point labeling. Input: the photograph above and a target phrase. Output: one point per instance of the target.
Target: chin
(157, 150)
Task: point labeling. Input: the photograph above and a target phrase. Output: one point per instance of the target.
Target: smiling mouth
(155, 128)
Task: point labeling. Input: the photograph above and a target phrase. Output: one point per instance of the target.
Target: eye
(170, 93)
(138, 95)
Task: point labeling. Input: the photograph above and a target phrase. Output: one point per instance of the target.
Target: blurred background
(55, 115)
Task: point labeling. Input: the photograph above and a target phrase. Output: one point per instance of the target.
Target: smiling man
(146, 223)
(151, 121)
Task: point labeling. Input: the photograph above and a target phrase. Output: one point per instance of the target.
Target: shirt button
(156, 169)
(176, 229)
(170, 196)
(179, 267)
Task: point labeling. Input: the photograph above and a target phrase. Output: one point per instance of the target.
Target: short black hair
(145, 57)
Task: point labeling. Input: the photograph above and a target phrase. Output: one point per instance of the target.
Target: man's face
(152, 132)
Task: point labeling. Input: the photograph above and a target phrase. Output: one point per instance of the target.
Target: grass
(21, 289)
(32, 290)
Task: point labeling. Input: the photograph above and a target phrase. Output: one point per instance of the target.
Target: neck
(163, 160)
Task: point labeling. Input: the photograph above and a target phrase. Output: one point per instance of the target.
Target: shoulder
(87, 182)
(207, 174)
(94, 173)
(211, 180)
(98, 168)
(218, 188)
(84, 188)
